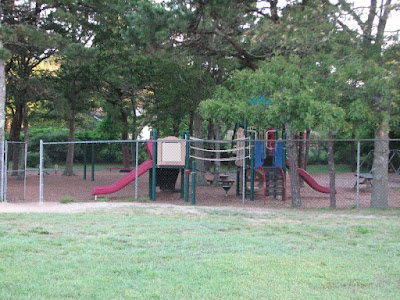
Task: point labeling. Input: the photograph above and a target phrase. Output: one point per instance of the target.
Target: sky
(394, 19)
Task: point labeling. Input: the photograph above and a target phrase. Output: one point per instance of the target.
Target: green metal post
(187, 171)
(153, 174)
(252, 164)
(84, 161)
(183, 173)
(93, 159)
(193, 182)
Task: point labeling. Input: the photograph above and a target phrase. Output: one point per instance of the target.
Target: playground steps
(274, 180)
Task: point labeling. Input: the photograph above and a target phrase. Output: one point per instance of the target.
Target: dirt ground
(59, 188)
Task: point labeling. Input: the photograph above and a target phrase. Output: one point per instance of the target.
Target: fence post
(2, 171)
(5, 171)
(244, 156)
(136, 169)
(153, 174)
(187, 171)
(25, 167)
(183, 172)
(93, 160)
(252, 163)
(84, 161)
(194, 182)
(41, 171)
(237, 181)
(358, 174)
(244, 174)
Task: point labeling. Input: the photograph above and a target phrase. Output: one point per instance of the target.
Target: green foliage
(4, 54)
(67, 199)
(179, 85)
(294, 98)
(108, 129)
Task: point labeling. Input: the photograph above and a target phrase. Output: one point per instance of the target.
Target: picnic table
(223, 178)
(367, 179)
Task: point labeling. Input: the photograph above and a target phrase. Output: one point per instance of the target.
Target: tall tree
(75, 82)
(372, 32)
(36, 30)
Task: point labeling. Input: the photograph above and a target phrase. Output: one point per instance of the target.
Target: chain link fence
(13, 169)
(221, 175)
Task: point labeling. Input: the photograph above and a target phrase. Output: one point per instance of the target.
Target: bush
(33, 160)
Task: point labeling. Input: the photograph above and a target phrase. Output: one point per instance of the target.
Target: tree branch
(244, 55)
(349, 10)
(382, 22)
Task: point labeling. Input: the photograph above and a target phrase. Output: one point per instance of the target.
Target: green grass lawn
(168, 253)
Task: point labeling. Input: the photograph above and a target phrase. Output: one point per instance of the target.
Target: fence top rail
(143, 141)
(98, 142)
(208, 141)
(13, 142)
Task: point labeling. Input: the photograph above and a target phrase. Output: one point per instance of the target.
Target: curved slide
(312, 183)
(128, 178)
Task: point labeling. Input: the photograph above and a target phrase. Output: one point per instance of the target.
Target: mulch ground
(57, 187)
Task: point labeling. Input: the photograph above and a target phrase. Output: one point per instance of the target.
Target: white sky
(393, 22)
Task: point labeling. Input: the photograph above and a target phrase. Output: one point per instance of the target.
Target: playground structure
(268, 164)
(167, 158)
(166, 161)
(261, 166)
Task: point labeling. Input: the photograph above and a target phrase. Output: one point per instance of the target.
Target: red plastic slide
(128, 178)
(311, 182)
(124, 181)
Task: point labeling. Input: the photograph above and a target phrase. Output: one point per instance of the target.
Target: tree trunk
(331, 163)
(124, 134)
(175, 127)
(191, 121)
(21, 174)
(353, 161)
(2, 96)
(15, 136)
(293, 152)
(274, 11)
(301, 146)
(69, 164)
(301, 149)
(380, 188)
(307, 150)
